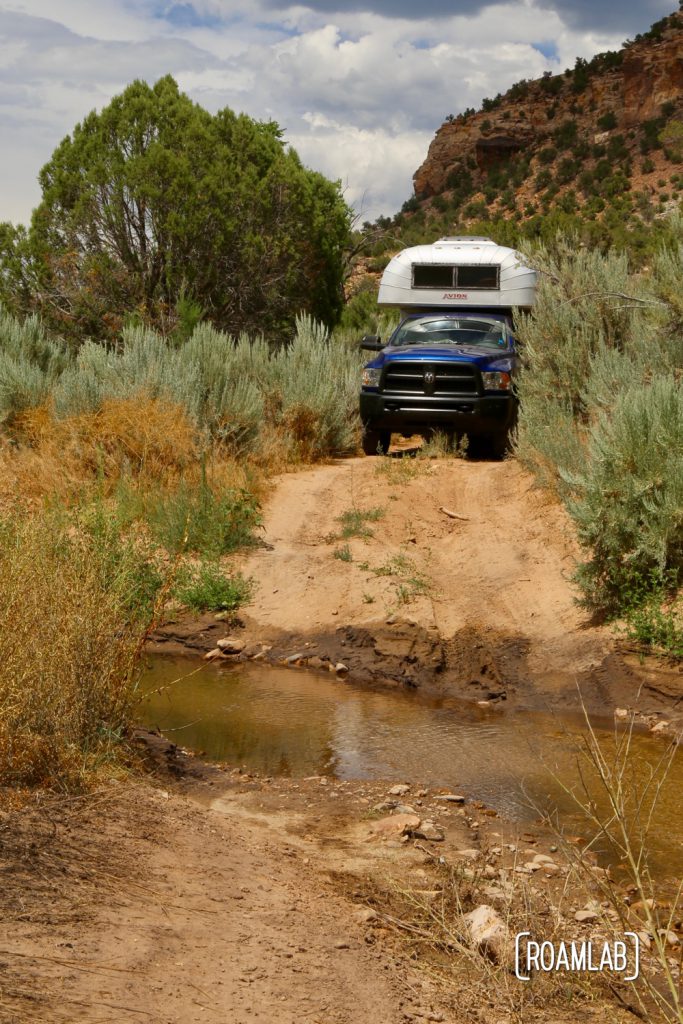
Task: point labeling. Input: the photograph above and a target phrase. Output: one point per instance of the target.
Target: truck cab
(451, 362)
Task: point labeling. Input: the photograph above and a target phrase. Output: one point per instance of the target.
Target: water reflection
(295, 723)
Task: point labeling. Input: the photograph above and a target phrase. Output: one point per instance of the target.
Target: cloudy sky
(360, 86)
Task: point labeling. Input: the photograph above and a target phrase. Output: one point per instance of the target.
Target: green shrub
(207, 587)
(653, 615)
(236, 390)
(209, 520)
(628, 502)
(601, 415)
(565, 134)
(607, 121)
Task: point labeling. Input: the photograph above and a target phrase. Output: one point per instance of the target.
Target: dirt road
(230, 898)
(455, 576)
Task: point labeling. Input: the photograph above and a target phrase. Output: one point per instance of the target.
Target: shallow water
(291, 722)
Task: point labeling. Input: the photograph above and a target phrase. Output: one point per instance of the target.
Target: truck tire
(498, 444)
(375, 441)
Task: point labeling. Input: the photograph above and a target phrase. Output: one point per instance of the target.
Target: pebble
(212, 655)
(400, 790)
(294, 657)
(364, 915)
(660, 727)
(621, 712)
(585, 915)
(429, 831)
(543, 858)
(451, 798)
(340, 668)
(342, 944)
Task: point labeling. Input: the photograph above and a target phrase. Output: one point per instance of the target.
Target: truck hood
(483, 359)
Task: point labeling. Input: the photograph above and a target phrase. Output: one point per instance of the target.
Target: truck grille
(418, 378)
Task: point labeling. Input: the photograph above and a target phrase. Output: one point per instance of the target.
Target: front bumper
(470, 414)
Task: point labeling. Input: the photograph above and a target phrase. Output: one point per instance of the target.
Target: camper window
(438, 275)
(477, 277)
(432, 276)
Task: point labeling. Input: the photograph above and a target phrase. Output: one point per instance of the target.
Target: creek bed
(288, 722)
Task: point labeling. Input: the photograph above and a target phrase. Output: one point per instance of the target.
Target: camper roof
(457, 272)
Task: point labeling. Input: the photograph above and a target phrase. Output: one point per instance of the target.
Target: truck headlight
(371, 376)
(496, 380)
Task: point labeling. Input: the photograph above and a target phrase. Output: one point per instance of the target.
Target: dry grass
(137, 437)
(430, 922)
(617, 797)
(68, 650)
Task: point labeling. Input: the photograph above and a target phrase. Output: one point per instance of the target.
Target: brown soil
(225, 897)
(497, 618)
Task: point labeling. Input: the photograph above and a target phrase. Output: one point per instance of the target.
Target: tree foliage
(154, 202)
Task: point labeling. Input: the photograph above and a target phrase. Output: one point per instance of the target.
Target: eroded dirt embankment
(462, 587)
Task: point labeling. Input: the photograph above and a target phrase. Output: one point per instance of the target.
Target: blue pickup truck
(450, 364)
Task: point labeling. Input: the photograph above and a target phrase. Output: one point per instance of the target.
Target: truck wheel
(499, 444)
(375, 441)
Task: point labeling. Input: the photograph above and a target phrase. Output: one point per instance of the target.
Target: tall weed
(68, 645)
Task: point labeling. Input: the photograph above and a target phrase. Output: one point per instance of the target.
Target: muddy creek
(278, 721)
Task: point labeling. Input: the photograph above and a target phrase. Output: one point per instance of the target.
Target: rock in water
(231, 645)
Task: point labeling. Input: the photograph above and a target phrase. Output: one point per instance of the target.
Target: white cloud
(359, 94)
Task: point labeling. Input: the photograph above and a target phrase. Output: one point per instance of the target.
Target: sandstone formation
(640, 83)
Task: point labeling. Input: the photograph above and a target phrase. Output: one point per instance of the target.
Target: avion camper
(450, 364)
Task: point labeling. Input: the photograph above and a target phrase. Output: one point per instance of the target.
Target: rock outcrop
(616, 94)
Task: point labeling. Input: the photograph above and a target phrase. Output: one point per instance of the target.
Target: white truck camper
(457, 273)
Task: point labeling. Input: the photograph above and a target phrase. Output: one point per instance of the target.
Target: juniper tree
(154, 201)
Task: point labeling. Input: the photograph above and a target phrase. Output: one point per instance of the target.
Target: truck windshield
(480, 332)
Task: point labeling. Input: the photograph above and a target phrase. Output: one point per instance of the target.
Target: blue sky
(359, 87)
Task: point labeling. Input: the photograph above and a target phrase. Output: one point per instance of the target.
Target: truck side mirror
(371, 343)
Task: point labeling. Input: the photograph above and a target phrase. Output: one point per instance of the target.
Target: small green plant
(354, 521)
(653, 614)
(368, 598)
(206, 587)
(444, 446)
(125, 566)
(410, 581)
(343, 553)
(401, 471)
